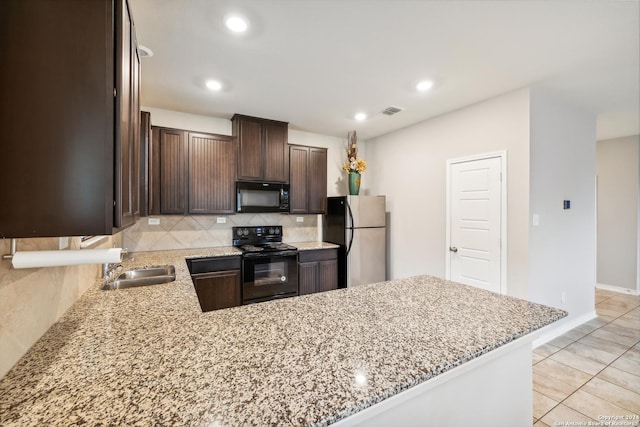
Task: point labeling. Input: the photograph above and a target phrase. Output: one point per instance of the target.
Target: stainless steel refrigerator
(358, 225)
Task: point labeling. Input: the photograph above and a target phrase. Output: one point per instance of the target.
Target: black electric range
(269, 266)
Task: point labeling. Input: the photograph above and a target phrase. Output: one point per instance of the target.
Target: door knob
(453, 249)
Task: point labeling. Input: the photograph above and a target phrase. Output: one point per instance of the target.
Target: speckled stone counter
(311, 246)
(149, 356)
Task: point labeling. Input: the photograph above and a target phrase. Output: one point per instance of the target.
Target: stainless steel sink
(142, 277)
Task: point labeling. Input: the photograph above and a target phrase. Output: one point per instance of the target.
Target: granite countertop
(310, 246)
(149, 356)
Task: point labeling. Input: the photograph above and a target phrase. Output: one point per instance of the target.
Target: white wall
(551, 157)
(562, 247)
(617, 166)
(409, 167)
(194, 122)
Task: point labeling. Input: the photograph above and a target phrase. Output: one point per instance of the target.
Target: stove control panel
(250, 235)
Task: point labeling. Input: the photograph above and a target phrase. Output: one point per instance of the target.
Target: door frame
(502, 155)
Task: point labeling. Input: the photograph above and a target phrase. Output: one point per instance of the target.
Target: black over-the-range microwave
(262, 197)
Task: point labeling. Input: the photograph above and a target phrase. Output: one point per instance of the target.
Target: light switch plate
(536, 220)
(154, 221)
(221, 220)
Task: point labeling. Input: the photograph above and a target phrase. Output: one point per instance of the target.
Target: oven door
(266, 277)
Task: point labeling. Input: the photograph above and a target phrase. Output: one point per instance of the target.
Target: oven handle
(270, 298)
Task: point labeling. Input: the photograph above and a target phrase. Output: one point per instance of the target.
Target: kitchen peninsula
(149, 356)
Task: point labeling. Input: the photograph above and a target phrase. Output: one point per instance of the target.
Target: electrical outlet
(563, 297)
(221, 220)
(154, 221)
(299, 219)
(63, 243)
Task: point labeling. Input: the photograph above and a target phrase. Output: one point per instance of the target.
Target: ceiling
(315, 63)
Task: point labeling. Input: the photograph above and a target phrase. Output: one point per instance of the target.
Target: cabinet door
(134, 182)
(123, 209)
(317, 197)
(218, 290)
(276, 152)
(307, 278)
(144, 178)
(318, 270)
(60, 117)
(211, 174)
(250, 155)
(172, 180)
(298, 179)
(127, 167)
(327, 275)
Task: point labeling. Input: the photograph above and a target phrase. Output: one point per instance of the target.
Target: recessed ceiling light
(236, 23)
(213, 85)
(424, 85)
(360, 116)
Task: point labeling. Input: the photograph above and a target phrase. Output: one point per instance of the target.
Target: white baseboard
(563, 328)
(617, 289)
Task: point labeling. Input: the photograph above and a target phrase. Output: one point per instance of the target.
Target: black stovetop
(267, 247)
(260, 239)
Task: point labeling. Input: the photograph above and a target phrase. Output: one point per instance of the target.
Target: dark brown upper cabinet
(192, 173)
(168, 171)
(68, 111)
(263, 154)
(127, 165)
(145, 143)
(212, 174)
(307, 179)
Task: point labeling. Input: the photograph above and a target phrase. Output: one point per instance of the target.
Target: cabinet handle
(453, 249)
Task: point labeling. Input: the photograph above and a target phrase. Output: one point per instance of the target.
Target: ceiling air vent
(390, 111)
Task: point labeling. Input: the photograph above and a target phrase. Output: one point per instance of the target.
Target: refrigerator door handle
(350, 228)
(350, 242)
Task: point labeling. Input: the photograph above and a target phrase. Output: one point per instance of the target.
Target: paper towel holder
(14, 246)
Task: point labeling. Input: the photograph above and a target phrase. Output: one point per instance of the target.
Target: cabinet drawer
(218, 290)
(206, 265)
(317, 255)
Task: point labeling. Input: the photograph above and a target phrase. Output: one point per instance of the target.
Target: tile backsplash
(201, 231)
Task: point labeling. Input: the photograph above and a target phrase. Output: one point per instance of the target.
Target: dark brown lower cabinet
(217, 290)
(317, 271)
(217, 281)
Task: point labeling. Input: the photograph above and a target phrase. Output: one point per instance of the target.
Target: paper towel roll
(31, 259)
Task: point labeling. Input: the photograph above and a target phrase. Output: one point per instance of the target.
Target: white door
(475, 223)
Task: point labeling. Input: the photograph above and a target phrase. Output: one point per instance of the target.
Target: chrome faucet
(109, 267)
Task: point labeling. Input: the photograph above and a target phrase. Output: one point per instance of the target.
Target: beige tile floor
(593, 371)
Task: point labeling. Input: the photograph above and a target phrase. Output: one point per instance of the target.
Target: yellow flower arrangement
(353, 164)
